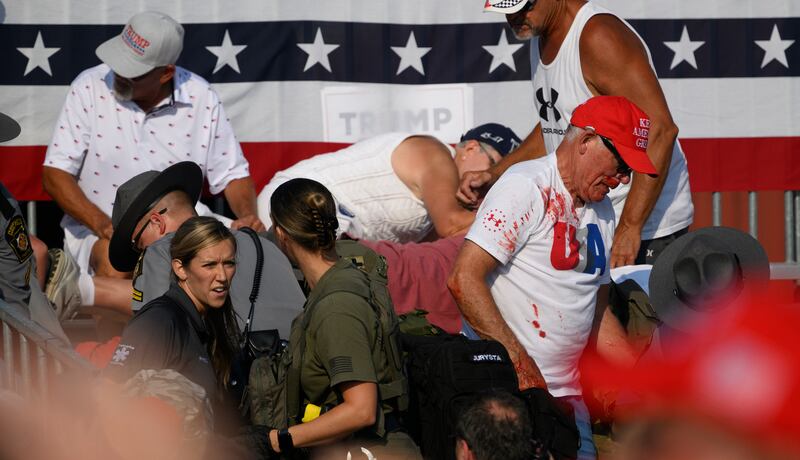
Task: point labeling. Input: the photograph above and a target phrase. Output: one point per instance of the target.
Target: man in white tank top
(397, 186)
(585, 50)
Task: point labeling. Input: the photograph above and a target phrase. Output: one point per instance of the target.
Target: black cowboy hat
(137, 196)
(700, 265)
(9, 128)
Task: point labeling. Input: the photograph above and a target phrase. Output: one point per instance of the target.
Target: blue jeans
(467, 331)
(587, 450)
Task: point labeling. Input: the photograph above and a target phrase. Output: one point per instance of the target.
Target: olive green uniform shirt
(341, 338)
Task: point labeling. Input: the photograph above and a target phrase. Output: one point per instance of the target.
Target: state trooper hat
(137, 196)
(701, 266)
(9, 128)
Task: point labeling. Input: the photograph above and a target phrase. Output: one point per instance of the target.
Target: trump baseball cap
(502, 138)
(149, 40)
(623, 123)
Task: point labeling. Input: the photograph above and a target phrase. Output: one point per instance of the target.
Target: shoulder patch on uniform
(17, 237)
(137, 295)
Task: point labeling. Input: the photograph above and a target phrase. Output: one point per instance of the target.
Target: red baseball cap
(620, 120)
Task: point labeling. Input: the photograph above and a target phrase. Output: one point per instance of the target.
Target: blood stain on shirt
(536, 323)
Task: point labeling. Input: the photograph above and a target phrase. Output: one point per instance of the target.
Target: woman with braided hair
(343, 363)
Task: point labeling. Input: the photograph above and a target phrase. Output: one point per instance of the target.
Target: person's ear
(586, 140)
(169, 73)
(280, 234)
(160, 222)
(473, 145)
(462, 450)
(179, 270)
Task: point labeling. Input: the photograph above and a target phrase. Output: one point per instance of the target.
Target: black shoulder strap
(256, 278)
(5, 207)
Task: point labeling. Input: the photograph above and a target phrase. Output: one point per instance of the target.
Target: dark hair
(194, 235)
(496, 426)
(305, 209)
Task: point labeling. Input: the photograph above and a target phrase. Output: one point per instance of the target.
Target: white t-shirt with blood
(553, 258)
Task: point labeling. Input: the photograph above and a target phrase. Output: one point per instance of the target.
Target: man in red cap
(533, 272)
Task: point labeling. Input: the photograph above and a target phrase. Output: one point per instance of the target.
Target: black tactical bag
(445, 372)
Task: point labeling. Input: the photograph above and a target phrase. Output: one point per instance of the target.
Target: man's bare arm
(64, 189)
(425, 164)
(468, 285)
(615, 62)
(608, 336)
(475, 184)
(241, 196)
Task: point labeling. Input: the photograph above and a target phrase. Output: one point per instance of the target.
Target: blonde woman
(191, 328)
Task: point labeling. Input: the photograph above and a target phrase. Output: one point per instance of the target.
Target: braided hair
(305, 209)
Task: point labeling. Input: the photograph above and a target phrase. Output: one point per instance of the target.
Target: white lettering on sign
(353, 113)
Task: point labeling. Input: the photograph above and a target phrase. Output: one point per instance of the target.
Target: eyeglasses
(519, 16)
(622, 167)
(135, 240)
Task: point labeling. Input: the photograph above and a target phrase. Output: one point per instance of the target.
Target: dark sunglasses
(528, 6)
(520, 15)
(622, 167)
(135, 240)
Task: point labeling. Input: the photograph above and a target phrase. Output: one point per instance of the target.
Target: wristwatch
(285, 442)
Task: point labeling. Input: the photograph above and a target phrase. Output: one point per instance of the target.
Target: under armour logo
(551, 104)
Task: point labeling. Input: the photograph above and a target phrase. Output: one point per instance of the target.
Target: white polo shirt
(104, 142)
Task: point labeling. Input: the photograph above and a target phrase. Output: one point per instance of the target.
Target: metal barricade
(33, 357)
(791, 224)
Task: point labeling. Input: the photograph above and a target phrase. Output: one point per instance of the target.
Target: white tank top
(557, 92)
(372, 202)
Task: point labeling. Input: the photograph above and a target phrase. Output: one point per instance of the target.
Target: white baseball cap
(504, 6)
(149, 40)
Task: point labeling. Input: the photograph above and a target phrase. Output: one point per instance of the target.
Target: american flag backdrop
(307, 76)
